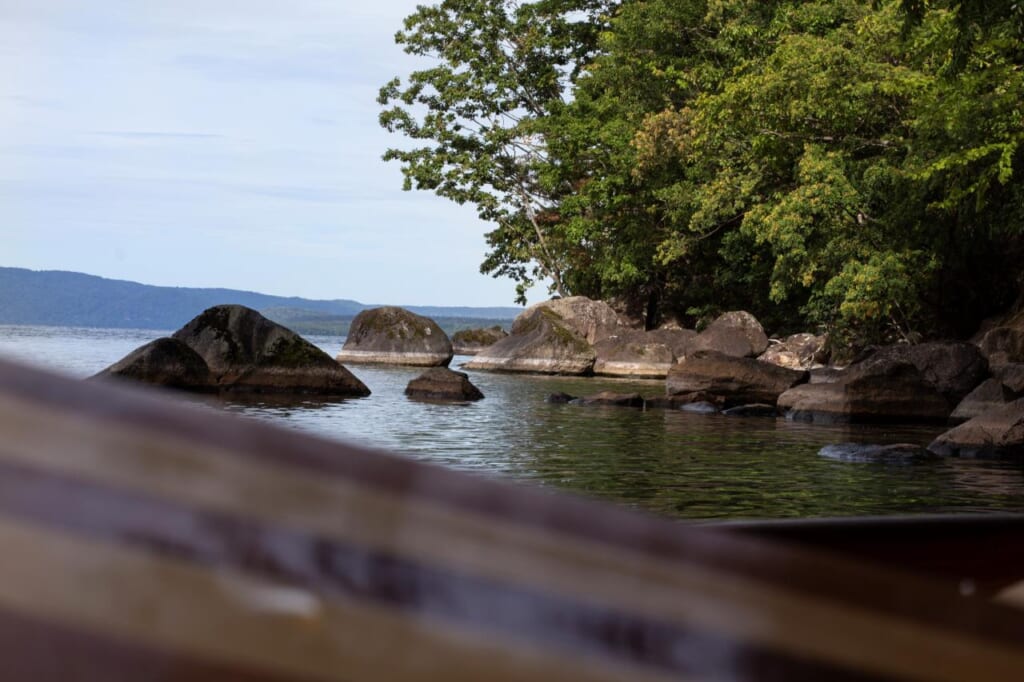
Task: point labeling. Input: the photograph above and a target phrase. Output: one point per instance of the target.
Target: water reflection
(666, 461)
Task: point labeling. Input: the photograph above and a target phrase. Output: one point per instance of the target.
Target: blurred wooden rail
(144, 539)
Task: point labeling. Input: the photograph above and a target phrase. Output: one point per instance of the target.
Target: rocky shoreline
(731, 366)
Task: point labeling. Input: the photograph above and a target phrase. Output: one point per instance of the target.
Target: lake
(666, 461)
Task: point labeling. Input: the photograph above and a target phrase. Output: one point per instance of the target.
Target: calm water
(669, 462)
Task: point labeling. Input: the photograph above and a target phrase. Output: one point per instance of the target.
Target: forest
(845, 166)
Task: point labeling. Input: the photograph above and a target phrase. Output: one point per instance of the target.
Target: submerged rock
(472, 341)
(395, 336)
(241, 351)
(700, 407)
(560, 398)
(441, 383)
(611, 399)
(755, 410)
(898, 453)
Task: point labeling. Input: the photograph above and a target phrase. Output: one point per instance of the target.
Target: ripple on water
(666, 461)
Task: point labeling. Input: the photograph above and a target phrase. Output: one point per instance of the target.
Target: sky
(219, 143)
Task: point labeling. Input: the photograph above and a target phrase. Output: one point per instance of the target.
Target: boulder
(1003, 345)
(736, 333)
(164, 362)
(472, 341)
(889, 391)
(560, 398)
(611, 399)
(541, 342)
(1012, 377)
(247, 352)
(953, 368)
(633, 354)
(989, 395)
(395, 336)
(733, 380)
(994, 433)
(897, 453)
(799, 351)
(232, 348)
(441, 383)
(679, 341)
(591, 320)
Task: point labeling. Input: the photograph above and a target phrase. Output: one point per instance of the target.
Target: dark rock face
(611, 399)
(990, 395)
(441, 383)
(164, 362)
(1003, 345)
(1012, 377)
(898, 453)
(240, 350)
(799, 351)
(395, 336)
(954, 369)
(994, 433)
(541, 342)
(736, 333)
(733, 380)
(879, 391)
(472, 341)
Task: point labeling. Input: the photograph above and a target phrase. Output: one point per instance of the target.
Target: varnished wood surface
(146, 539)
(973, 553)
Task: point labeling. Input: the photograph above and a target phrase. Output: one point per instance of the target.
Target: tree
(500, 68)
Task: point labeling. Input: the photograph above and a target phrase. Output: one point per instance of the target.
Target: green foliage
(843, 164)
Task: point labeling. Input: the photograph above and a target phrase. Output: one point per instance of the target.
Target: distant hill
(58, 298)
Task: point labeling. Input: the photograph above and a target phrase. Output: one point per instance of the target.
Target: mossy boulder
(396, 336)
(541, 342)
(240, 351)
(591, 320)
(472, 341)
